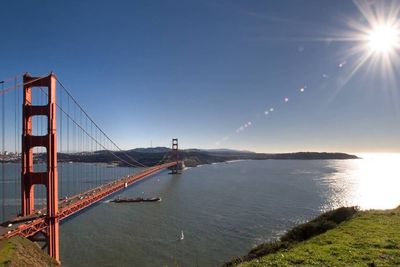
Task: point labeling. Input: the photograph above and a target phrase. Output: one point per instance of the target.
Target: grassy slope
(20, 252)
(370, 238)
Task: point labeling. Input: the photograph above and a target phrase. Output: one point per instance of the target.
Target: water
(223, 209)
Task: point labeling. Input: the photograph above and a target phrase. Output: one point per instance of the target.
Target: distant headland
(191, 157)
(195, 157)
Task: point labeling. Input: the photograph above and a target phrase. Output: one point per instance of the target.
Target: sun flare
(383, 39)
(372, 40)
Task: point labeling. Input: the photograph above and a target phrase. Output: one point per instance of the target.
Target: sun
(371, 41)
(383, 39)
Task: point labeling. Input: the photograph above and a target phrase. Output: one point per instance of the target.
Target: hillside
(367, 238)
(20, 252)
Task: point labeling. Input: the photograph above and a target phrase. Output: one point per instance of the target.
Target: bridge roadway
(31, 225)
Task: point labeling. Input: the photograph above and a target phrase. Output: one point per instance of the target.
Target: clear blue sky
(199, 70)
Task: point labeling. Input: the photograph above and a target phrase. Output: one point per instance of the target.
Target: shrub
(319, 225)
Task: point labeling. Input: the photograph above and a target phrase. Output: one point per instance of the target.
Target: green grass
(6, 248)
(369, 238)
(19, 252)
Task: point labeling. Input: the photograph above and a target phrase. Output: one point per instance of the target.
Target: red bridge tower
(175, 156)
(49, 178)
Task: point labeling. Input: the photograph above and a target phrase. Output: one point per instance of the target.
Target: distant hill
(226, 150)
(307, 156)
(151, 150)
(193, 157)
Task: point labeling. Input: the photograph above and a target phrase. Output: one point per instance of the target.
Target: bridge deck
(30, 225)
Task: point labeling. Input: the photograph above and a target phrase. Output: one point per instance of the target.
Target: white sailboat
(182, 235)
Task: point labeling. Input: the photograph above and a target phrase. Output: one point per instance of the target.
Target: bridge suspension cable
(16, 86)
(95, 124)
(81, 127)
(80, 139)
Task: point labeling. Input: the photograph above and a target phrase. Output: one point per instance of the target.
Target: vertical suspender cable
(3, 96)
(19, 108)
(68, 152)
(61, 174)
(92, 173)
(40, 132)
(15, 148)
(81, 149)
(97, 163)
(74, 145)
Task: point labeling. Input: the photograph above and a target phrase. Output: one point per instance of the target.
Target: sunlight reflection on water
(370, 183)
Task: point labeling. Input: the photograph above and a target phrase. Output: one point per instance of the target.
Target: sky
(206, 72)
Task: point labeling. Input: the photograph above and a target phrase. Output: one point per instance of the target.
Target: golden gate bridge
(51, 131)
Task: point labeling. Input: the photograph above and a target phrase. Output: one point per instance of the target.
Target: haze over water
(223, 209)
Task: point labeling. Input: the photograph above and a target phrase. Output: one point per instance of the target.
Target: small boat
(182, 235)
(138, 199)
